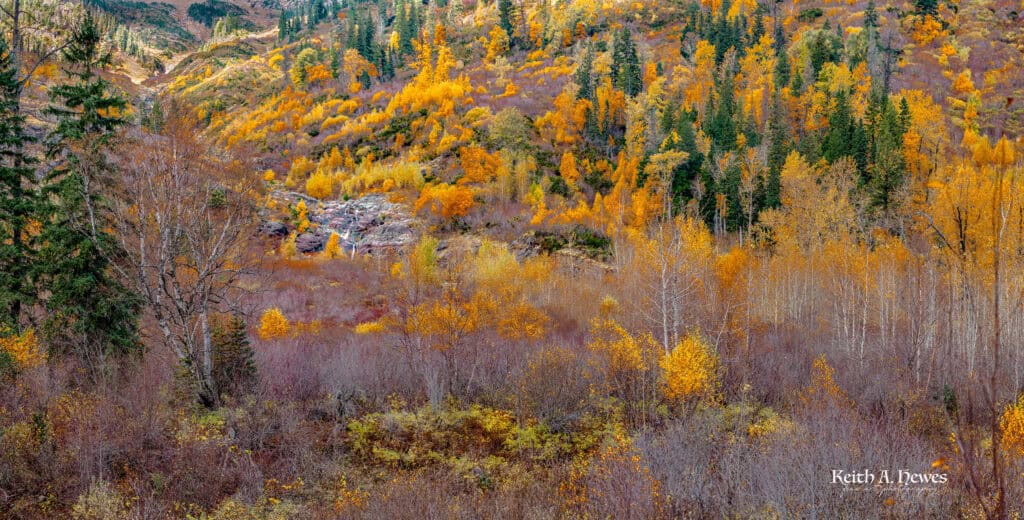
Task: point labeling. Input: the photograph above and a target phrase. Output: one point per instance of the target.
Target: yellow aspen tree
(498, 44)
(320, 185)
(568, 169)
(447, 200)
(333, 247)
(478, 166)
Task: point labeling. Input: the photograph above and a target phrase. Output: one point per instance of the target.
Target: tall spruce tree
(234, 366)
(782, 70)
(584, 75)
(91, 314)
(778, 149)
(839, 138)
(19, 200)
(625, 71)
(888, 168)
(506, 15)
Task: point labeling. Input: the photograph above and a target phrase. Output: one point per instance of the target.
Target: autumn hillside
(511, 259)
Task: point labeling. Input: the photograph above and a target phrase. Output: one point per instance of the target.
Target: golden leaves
(301, 216)
(1011, 428)
(690, 369)
(478, 166)
(333, 247)
(620, 350)
(498, 44)
(926, 30)
(447, 200)
(23, 348)
(274, 324)
(823, 389)
(320, 185)
(568, 170)
(563, 124)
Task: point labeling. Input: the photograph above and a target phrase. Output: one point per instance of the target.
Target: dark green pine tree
(723, 127)
(584, 75)
(750, 131)
(888, 169)
(861, 150)
(90, 314)
(839, 139)
(690, 169)
(19, 200)
(335, 63)
(904, 115)
(407, 28)
(730, 187)
(780, 40)
(667, 121)
(722, 35)
(871, 16)
(625, 71)
(352, 32)
(319, 10)
(234, 366)
(282, 26)
(506, 15)
(782, 70)
(415, 17)
(388, 69)
(757, 30)
(822, 52)
(797, 85)
(926, 7)
(367, 44)
(778, 149)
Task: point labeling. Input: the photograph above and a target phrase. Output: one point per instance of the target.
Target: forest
(589, 259)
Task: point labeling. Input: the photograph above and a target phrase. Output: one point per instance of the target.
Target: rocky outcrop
(574, 252)
(273, 229)
(371, 224)
(311, 242)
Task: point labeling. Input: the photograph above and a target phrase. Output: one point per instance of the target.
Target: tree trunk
(209, 394)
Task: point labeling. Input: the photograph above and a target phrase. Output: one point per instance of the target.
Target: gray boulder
(310, 242)
(273, 229)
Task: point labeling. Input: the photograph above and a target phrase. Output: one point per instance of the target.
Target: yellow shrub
(689, 370)
(101, 501)
(370, 327)
(374, 177)
(287, 248)
(273, 324)
(302, 216)
(1011, 427)
(23, 348)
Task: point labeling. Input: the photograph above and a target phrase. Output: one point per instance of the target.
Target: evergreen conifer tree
(19, 200)
(90, 313)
